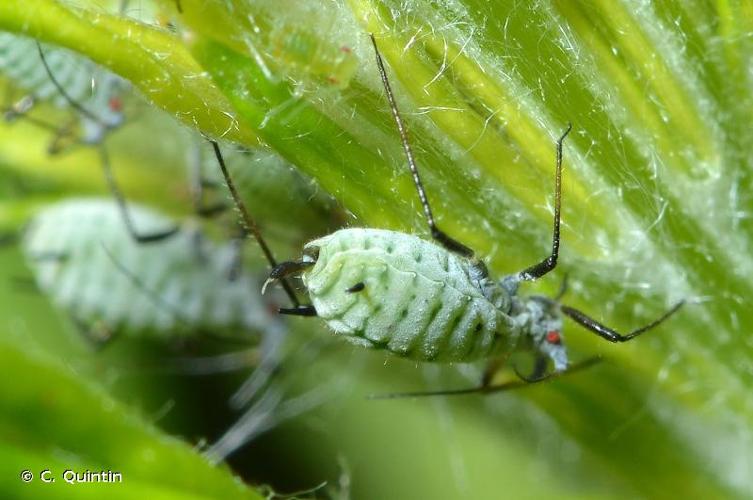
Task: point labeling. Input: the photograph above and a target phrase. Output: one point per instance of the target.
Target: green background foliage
(657, 207)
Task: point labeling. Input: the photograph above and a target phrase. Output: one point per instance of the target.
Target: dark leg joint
(298, 311)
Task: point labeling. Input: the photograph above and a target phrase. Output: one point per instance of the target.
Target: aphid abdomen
(417, 299)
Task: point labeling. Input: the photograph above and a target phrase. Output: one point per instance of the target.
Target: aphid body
(417, 299)
(97, 90)
(84, 258)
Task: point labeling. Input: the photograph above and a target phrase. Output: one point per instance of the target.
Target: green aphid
(435, 300)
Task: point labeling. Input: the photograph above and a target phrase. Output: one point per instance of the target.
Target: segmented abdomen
(418, 300)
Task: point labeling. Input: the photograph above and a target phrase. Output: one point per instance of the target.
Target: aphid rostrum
(435, 300)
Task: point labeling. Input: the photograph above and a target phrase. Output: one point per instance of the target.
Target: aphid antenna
(446, 241)
(249, 222)
(549, 263)
(490, 389)
(73, 103)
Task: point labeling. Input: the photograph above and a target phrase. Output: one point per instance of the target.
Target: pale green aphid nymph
(435, 301)
(416, 300)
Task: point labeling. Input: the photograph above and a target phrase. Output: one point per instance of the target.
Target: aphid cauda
(435, 300)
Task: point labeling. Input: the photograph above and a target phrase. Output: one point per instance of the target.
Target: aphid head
(545, 330)
(552, 344)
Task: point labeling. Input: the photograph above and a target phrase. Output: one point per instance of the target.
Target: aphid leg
(179, 6)
(493, 367)
(200, 186)
(73, 103)
(64, 137)
(489, 389)
(112, 184)
(298, 311)
(537, 271)
(563, 288)
(538, 372)
(18, 108)
(358, 287)
(436, 233)
(610, 334)
(250, 224)
(236, 263)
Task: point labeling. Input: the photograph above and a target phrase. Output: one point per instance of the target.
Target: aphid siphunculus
(435, 300)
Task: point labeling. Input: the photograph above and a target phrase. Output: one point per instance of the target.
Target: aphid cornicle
(434, 300)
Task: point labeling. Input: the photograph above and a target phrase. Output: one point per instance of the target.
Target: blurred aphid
(297, 50)
(85, 260)
(96, 91)
(176, 287)
(285, 38)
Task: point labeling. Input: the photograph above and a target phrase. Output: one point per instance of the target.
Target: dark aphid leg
(112, 184)
(563, 288)
(537, 271)
(489, 389)
(236, 264)
(537, 374)
(250, 224)
(358, 287)
(199, 187)
(436, 233)
(299, 311)
(493, 367)
(61, 90)
(610, 334)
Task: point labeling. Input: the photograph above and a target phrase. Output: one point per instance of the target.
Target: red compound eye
(116, 104)
(553, 337)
